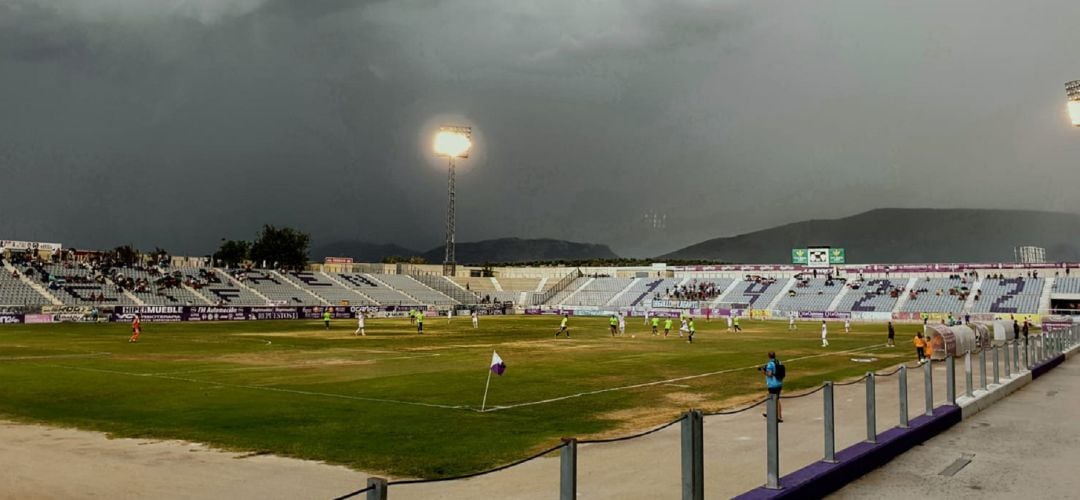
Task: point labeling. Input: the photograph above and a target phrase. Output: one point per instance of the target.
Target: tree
(233, 253)
(126, 255)
(285, 247)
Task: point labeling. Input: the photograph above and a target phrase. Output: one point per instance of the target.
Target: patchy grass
(395, 402)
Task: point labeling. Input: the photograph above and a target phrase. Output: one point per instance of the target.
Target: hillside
(503, 250)
(905, 235)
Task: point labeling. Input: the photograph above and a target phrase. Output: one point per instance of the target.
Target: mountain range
(887, 235)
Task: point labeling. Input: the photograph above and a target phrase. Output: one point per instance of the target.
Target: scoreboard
(818, 256)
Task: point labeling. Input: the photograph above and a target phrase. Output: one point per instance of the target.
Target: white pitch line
(264, 388)
(58, 356)
(668, 381)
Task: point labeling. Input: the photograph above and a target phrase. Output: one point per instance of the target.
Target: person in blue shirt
(773, 384)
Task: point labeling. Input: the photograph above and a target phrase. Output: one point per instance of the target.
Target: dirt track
(38, 462)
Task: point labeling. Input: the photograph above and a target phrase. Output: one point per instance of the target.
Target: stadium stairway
(285, 280)
(720, 298)
(1044, 298)
(127, 293)
(783, 293)
(495, 283)
(197, 294)
(622, 292)
(970, 302)
(904, 296)
(36, 286)
(840, 296)
(234, 282)
(383, 283)
(540, 285)
(573, 293)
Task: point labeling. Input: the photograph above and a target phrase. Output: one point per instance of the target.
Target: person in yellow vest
(920, 347)
(326, 317)
(929, 348)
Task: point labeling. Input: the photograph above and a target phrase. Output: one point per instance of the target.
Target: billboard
(798, 256)
(818, 256)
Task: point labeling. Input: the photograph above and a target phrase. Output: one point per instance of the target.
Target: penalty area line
(671, 380)
(265, 388)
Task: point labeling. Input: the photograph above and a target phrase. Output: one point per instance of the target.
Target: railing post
(903, 397)
(997, 374)
(871, 409)
(830, 429)
(568, 470)
(378, 488)
(1027, 357)
(950, 379)
(772, 428)
(693, 471)
(1016, 356)
(982, 367)
(1008, 356)
(968, 376)
(928, 383)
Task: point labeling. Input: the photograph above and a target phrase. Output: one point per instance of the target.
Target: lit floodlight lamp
(1072, 92)
(453, 141)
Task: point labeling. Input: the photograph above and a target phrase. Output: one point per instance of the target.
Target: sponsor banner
(871, 316)
(824, 315)
(338, 260)
(679, 304)
(798, 256)
(38, 318)
(29, 245)
(66, 309)
(11, 318)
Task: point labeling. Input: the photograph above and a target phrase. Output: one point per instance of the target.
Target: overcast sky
(181, 122)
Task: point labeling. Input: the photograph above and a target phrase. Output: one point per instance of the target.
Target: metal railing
(440, 284)
(1036, 349)
(546, 295)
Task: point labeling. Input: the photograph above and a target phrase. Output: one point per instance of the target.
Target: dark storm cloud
(179, 123)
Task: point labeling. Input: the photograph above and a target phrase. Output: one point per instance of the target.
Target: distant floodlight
(1072, 92)
(453, 141)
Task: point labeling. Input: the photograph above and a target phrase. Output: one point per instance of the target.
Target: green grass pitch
(398, 403)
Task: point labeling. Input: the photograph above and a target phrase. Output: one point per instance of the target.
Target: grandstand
(643, 291)
(326, 288)
(876, 295)
(78, 285)
(159, 289)
(1009, 295)
(416, 290)
(15, 292)
(276, 290)
(597, 291)
(216, 288)
(944, 295)
(814, 294)
(377, 291)
(758, 293)
(1067, 285)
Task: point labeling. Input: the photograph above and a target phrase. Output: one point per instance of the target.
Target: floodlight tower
(1072, 93)
(452, 141)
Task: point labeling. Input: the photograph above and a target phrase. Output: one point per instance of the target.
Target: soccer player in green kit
(655, 324)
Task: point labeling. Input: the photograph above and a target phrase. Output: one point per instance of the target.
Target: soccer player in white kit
(729, 322)
(475, 320)
(360, 324)
(791, 321)
(622, 324)
(449, 315)
(847, 326)
(684, 327)
(824, 334)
